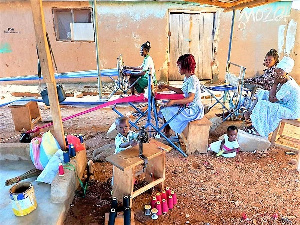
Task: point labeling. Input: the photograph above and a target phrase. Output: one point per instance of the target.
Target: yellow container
(23, 198)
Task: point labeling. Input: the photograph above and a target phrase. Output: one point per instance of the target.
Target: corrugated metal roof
(234, 4)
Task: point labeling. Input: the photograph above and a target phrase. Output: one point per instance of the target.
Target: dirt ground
(252, 188)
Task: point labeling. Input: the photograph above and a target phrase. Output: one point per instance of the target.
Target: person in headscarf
(281, 102)
(139, 75)
(266, 80)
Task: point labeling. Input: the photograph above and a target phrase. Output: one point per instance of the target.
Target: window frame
(71, 10)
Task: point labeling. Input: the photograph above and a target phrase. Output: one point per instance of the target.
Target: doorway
(191, 33)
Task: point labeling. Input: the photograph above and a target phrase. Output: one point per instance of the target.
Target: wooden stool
(279, 131)
(124, 168)
(25, 114)
(196, 135)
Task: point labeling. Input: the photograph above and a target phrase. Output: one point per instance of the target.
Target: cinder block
(14, 151)
(63, 188)
(249, 142)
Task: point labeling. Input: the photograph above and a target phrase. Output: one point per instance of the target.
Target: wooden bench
(196, 135)
(25, 114)
(278, 133)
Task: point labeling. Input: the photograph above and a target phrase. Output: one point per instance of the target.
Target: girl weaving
(194, 109)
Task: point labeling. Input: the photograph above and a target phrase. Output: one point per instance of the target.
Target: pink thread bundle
(164, 201)
(61, 171)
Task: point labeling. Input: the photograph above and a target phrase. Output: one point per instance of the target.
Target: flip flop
(252, 131)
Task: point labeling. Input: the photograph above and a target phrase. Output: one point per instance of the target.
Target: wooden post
(47, 69)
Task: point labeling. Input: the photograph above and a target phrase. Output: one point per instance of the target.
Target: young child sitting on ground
(125, 138)
(229, 146)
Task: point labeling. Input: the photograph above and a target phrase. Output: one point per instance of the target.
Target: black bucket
(60, 93)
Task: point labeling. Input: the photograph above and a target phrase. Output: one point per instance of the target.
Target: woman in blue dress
(281, 102)
(194, 109)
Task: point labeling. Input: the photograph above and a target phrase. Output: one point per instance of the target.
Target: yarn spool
(170, 202)
(61, 171)
(163, 195)
(158, 196)
(154, 214)
(147, 210)
(112, 217)
(126, 202)
(153, 202)
(165, 208)
(66, 155)
(80, 138)
(174, 197)
(127, 216)
(159, 209)
(114, 203)
(168, 191)
(72, 150)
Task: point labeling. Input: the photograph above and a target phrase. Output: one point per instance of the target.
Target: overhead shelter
(228, 5)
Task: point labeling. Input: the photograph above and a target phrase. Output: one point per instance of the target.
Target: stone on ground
(249, 142)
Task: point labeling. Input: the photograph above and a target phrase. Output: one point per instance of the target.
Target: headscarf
(286, 64)
(146, 45)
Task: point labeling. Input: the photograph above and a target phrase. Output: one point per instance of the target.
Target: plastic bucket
(23, 198)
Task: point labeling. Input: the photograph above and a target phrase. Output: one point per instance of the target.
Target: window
(73, 24)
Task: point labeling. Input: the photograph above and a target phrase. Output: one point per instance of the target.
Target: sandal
(251, 130)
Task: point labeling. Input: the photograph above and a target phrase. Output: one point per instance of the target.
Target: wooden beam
(228, 5)
(47, 69)
(249, 4)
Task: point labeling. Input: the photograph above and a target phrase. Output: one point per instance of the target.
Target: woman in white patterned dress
(194, 109)
(281, 102)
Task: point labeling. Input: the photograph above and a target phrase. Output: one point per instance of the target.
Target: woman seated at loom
(194, 109)
(266, 80)
(281, 102)
(139, 75)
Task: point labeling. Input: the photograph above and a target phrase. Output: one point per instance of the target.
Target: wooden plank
(147, 187)
(292, 122)
(156, 169)
(47, 69)
(185, 35)
(286, 147)
(195, 39)
(129, 158)
(122, 183)
(208, 42)
(201, 46)
(174, 45)
(288, 138)
(274, 136)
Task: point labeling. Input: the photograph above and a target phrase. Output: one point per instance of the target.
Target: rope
(71, 167)
(134, 98)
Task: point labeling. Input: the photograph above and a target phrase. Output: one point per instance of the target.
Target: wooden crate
(196, 135)
(25, 114)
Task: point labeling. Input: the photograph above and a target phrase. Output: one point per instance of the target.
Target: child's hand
(133, 142)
